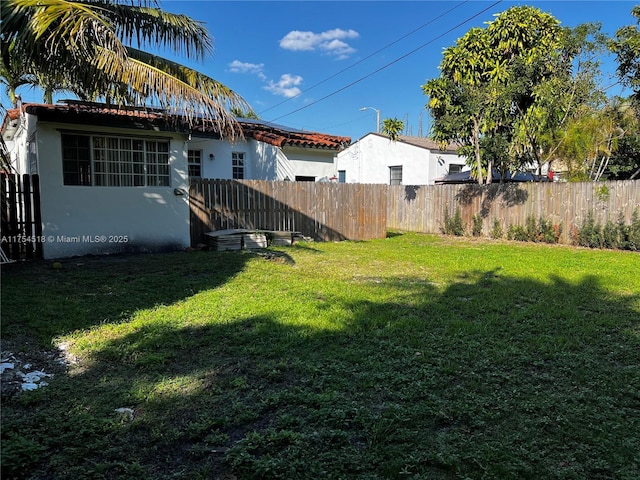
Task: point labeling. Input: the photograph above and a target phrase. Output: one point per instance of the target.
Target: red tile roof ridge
(268, 133)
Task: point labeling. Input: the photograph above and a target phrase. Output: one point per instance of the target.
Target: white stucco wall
(440, 162)
(260, 158)
(21, 144)
(368, 161)
(306, 162)
(262, 161)
(79, 220)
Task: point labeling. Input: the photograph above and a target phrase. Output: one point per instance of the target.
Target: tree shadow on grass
(489, 377)
(89, 291)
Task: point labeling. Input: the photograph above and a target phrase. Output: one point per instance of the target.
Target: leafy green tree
(94, 48)
(392, 127)
(626, 47)
(558, 99)
(458, 99)
(588, 143)
(608, 142)
(501, 89)
(625, 161)
(238, 112)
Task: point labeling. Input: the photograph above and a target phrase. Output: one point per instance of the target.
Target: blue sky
(313, 65)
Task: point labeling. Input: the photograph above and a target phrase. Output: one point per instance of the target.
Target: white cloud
(338, 48)
(330, 42)
(252, 68)
(287, 86)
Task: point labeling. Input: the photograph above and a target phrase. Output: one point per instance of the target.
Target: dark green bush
(496, 230)
(535, 231)
(612, 235)
(548, 232)
(633, 237)
(517, 232)
(623, 233)
(476, 229)
(590, 234)
(531, 229)
(453, 225)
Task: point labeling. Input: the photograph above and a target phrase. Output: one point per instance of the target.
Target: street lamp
(377, 116)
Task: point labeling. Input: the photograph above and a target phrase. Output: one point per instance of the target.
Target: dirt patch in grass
(27, 366)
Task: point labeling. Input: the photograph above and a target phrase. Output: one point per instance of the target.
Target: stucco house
(117, 179)
(375, 158)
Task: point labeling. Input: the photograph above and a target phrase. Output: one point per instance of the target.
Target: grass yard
(412, 357)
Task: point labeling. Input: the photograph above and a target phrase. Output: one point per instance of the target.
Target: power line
(612, 85)
(355, 82)
(366, 58)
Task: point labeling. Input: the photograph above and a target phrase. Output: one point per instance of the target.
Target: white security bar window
(114, 161)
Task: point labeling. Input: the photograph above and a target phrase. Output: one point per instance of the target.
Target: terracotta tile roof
(7, 122)
(148, 118)
(87, 112)
(13, 113)
(282, 136)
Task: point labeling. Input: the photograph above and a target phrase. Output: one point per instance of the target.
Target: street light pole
(377, 116)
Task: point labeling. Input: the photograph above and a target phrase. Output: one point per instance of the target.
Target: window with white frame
(194, 158)
(395, 175)
(237, 165)
(342, 176)
(114, 161)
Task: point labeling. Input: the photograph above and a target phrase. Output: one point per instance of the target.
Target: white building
(375, 158)
(115, 180)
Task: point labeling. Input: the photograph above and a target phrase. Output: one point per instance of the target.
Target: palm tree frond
(152, 26)
(77, 46)
(180, 90)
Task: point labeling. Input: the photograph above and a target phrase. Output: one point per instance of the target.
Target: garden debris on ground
(25, 369)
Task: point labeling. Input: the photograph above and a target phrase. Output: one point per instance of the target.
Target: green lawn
(411, 357)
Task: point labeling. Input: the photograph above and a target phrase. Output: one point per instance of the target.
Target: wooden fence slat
(27, 217)
(320, 211)
(21, 223)
(565, 204)
(37, 216)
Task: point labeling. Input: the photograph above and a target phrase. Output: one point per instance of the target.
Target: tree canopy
(392, 127)
(626, 47)
(505, 92)
(95, 49)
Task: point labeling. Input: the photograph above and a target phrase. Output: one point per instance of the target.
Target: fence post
(37, 216)
(27, 219)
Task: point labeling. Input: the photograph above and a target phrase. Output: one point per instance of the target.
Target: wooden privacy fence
(21, 219)
(422, 208)
(327, 211)
(322, 211)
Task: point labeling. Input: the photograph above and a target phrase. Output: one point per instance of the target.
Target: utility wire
(335, 92)
(366, 58)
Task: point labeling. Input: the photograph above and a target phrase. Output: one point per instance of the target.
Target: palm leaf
(63, 29)
(152, 26)
(179, 89)
(76, 45)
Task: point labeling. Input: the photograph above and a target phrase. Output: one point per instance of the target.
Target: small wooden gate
(21, 222)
